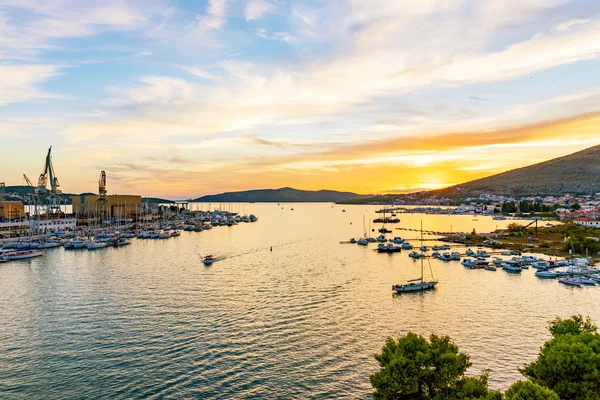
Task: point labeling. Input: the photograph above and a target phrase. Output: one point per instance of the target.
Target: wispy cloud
(256, 9)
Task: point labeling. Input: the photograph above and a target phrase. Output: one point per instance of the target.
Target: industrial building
(11, 210)
(109, 207)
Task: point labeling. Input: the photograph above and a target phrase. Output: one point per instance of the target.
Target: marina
(292, 290)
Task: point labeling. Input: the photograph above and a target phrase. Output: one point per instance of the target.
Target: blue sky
(183, 98)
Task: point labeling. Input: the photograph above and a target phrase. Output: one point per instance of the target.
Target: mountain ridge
(281, 195)
(576, 173)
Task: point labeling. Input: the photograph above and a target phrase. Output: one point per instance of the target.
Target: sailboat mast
(422, 253)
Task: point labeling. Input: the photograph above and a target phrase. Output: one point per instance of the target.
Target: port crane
(49, 174)
(102, 187)
(33, 195)
(101, 203)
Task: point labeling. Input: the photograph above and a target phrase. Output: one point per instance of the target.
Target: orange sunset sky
(179, 99)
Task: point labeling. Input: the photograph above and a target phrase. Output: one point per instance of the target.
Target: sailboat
(363, 241)
(419, 284)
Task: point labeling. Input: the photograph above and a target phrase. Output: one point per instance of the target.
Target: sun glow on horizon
(179, 99)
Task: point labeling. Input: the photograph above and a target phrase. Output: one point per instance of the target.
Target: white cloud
(215, 17)
(255, 9)
(20, 82)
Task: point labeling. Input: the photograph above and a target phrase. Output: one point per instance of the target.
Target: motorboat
(352, 240)
(398, 240)
(482, 254)
(546, 274)
(407, 246)
(445, 257)
(540, 265)
(469, 263)
(424, 248)
(489, 267)
(363, 242)
(455, 255)
(576, 271)
(96, 245)
(470, 253)
(511, 266)
(208, 260)
(384, 230)
(390, 248)
(22, 254)
(381, 238)
(416, 255)
(75, 244)
(371, 240)
(164, 235)
(570, 282)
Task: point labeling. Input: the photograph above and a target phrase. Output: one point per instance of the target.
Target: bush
(411, 367)
(526, 390)
(569, 363)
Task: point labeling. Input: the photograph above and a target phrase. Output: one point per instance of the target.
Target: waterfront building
(11, 211)
(585, 221)
(52, 225)
(113, 208)
(14, 228)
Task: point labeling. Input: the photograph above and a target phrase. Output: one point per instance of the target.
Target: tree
(514, 228)
(527, 390)
(575, 325)
(413, 368)
(569, 363)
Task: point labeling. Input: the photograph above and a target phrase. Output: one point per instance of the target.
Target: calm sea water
(303, 321)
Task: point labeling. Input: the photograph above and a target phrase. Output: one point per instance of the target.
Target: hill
(283, 195)
(576, 173)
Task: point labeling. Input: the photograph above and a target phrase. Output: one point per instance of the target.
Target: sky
(183, 98)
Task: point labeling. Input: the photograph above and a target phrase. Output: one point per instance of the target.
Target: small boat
(23, 254)
(415, 255)
(489, 267)
(467, 262)
(570, 282)
(587, 281)
(208, 260)
(445, 257)
(363, 242)
(546, 274)
(511, 266)
(352, 240)
(506, 253)
(384, 230)
(96, 245)
(390, 248)
(417, 285)
(343, 210)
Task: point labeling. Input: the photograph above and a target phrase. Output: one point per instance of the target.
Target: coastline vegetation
(415, 367)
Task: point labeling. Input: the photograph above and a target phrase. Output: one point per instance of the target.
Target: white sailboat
(363, 241)
(419, 284)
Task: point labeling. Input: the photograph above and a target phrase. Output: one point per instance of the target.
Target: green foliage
(527, 390)
(575, 325)
(569, 363)
(411, 367)
(515, 228)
